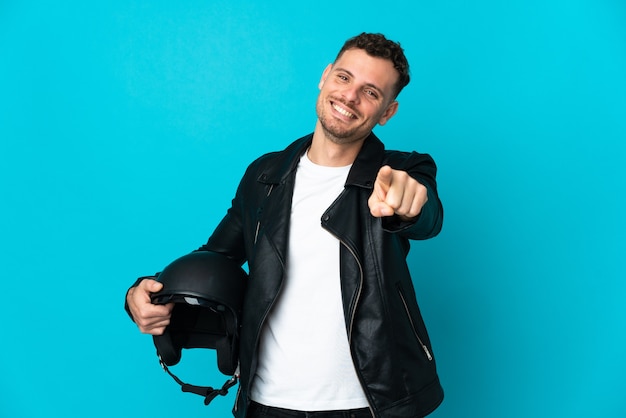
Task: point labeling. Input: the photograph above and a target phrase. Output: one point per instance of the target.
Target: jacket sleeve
(229, 237)
(430, 220)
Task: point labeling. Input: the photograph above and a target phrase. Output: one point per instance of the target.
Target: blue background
(126, 125)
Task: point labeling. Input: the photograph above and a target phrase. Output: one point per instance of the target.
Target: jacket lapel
(279, 180)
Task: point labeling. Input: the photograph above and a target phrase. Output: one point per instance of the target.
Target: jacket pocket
(425, 348)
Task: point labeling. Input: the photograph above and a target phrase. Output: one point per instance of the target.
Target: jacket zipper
(256, 235)
(236, 407)
(358, 295)
(256, 232)
(406, 309)
(257, 338)
(356, 302)
(258, 224)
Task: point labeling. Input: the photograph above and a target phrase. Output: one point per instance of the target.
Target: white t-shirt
(304, 357)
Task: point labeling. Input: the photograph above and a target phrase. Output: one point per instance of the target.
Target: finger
(151, 323)
(155, 311)
(151, 285)
(154, 319)
(377, 205)
(141, 294)
(397, 195)
(155, 329)
(384, 178)
(405, 196)
(379, 209)
(420, 199)
(400, 189)
(414, 199)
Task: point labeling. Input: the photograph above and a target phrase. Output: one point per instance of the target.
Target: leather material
(390, 347)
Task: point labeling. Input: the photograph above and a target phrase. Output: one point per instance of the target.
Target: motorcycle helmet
(207, 289)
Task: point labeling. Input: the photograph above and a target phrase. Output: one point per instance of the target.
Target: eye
(371, 93)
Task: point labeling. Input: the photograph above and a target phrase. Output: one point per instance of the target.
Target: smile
(343, 111)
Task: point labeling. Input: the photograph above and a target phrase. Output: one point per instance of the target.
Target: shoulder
(273, 166)
(420, 166)
(407, 158)
(399, 160)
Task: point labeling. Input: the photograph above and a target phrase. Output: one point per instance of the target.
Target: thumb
(155, 286)
(152, 285)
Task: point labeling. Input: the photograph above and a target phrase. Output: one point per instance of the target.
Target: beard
(335, 130)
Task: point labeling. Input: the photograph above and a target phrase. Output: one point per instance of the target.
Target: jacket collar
(362, 174)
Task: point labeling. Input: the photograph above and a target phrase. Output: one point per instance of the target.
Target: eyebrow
(374, 86)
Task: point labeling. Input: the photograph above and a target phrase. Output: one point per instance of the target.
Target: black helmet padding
(207, 289)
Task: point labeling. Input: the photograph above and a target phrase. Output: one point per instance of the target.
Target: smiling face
(356, 93)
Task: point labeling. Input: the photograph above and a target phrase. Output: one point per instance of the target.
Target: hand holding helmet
(195, 302)
(150, 318)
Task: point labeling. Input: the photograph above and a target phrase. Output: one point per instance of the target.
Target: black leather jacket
(388, 340)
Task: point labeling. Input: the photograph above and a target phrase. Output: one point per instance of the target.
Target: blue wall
(126, 125)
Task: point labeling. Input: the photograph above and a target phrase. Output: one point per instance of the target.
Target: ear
(324, 75)
(389, 112)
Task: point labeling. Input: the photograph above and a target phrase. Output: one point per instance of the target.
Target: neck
(330, 152)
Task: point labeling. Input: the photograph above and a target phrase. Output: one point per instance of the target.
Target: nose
(351, 94)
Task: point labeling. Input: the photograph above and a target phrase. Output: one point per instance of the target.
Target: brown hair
(376, 45)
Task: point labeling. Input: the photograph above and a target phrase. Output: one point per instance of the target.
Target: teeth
(343, 111)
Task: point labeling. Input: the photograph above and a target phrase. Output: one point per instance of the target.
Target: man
(331, 325)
